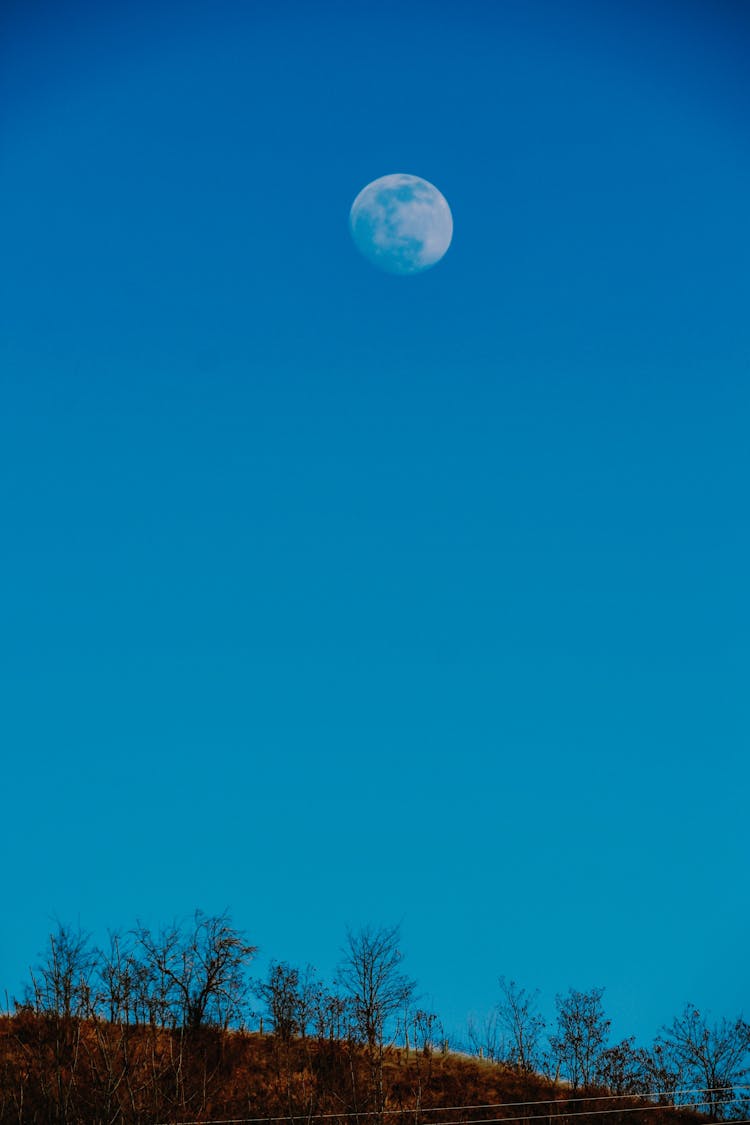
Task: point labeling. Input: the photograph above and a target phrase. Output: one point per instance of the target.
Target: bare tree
(423, 1030)
(290, 998)
(332, 1015)
(519, 1017)
(61, 984)
(309, 991)
(371, 979)
(485, 1036)
(712, 1057)
(622, 1068)
(61, 990)
(198, 977)
(426, 1030)
(161, 980)
(118, 983)
(580, 1035)
(662, 1075)
(370, 975)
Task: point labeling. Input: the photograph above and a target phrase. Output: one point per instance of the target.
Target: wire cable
(575, 1097)
(645, 1097)
(484, 1121)
(651, 1107)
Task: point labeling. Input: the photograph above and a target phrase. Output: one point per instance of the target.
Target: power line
(576, 1097)
(481, 1121)
(476, 1106)
(649, 1107)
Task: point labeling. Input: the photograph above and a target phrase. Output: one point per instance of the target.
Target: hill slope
(57, 1069)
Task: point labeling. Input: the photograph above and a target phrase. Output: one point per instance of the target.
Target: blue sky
(331, 597)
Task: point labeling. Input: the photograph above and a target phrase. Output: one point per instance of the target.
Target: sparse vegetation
(161, 1028)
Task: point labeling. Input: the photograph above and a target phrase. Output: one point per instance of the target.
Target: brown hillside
(58, 1069)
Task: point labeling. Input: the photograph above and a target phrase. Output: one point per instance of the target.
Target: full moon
(401, 223)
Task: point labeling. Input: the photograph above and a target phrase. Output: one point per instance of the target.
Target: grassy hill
(55, 1068)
